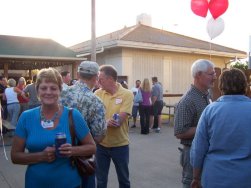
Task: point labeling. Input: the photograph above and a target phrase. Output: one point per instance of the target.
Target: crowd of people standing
(215, 142)
(96, 129)
(150, 106)
(16, 97)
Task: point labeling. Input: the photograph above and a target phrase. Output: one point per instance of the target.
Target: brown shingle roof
(152, 35)
(143, 34)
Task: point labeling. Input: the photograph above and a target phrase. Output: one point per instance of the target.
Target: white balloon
(215, 27)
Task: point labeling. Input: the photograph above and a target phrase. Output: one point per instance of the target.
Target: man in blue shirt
(157, 104)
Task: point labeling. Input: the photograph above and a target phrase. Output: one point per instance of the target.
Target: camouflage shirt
(80, 97)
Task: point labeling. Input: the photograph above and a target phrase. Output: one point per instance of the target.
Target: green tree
(239, 65)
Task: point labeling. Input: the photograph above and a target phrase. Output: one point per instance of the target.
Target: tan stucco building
(142, 51)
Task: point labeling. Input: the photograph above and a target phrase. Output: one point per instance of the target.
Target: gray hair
(12, 82)
(22, 79)
(201, 65)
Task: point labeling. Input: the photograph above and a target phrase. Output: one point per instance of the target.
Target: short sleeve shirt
(44, 174)
(157, 91)
(121, 101)
(135, 91)
(188, 112)
(31, 89)
(79, 96)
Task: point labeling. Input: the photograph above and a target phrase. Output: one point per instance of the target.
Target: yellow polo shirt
(121, 101)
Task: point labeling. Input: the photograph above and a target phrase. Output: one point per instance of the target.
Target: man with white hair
(189, 110)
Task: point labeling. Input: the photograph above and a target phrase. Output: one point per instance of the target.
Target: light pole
(93, 43)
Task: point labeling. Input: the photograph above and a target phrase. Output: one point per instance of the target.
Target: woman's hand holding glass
(66, 150)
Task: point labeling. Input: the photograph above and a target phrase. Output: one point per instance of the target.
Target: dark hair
(154, 79)
(233, 82)
(73, 81)
(1, 77)
(124, 84)
(109, 70)
(64, 73)
(34, 78)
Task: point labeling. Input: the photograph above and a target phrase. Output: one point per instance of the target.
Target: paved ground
(154, 162)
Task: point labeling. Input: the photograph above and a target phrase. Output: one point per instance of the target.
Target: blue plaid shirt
(188, 112)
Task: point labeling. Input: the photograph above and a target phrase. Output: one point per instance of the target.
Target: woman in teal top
(36, 131)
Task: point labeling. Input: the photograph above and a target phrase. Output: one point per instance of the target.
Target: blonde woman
(34, 140)
(145, 106)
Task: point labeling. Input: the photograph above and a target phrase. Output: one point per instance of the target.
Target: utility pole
(93, 43)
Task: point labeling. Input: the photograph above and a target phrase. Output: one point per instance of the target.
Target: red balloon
(218, 7)
(199, 7)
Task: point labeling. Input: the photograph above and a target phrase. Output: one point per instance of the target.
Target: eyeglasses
(211, 74)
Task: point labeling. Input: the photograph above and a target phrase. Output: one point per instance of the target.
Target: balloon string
(5, 155)
(210, 51)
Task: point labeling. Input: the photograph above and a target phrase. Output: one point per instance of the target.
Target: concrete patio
(154, 162)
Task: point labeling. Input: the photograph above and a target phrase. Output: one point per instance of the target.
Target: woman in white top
(13, 105)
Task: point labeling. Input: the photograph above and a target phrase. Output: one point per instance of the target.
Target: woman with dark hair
(220, 153)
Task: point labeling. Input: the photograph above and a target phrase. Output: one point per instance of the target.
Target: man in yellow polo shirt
(115, 145)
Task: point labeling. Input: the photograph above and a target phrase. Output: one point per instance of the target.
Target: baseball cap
(88, 67)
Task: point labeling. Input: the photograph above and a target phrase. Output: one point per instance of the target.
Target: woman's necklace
(48, 123)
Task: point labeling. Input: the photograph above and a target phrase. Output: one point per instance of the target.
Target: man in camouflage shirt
(81, 97)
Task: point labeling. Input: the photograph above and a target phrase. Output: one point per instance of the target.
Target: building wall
(111, 57)
(172, 69)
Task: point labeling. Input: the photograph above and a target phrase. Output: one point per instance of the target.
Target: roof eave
(43, 57)
(149, 46)
(169, 48)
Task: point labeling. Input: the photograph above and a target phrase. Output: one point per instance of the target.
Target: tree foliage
(239, 65)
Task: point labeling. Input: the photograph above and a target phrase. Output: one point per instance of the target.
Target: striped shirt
(188, 112)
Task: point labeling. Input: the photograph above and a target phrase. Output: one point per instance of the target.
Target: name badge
(118, 101)
(47, 124)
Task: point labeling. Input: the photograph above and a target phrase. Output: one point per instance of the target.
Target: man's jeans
(120, 158)
(187, 173)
